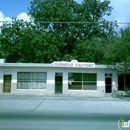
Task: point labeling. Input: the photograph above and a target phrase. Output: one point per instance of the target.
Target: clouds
(120, 12)
(3, 18)
(121, 9)
(22, 15)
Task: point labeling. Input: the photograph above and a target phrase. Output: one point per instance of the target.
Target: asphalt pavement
(62, 112)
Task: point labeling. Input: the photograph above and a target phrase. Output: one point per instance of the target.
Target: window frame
(82, 81)
(32, 81)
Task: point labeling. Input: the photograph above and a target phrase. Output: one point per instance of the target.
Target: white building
(58, 77)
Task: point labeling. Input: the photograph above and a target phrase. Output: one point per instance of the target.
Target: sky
(18, 9)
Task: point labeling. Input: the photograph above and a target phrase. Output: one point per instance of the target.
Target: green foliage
(89, 51)
(112, 51)
(73, 23)
(89, 15)
(125, 35)
(65, 30)
(23, 42)
(117, 49)
(127, 89)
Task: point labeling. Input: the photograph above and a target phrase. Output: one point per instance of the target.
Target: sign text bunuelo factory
(74, 64)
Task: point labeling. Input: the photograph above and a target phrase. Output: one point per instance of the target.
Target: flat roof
(50, 65)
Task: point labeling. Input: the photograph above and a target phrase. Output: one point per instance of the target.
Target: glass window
(24, 76)
(38, 76)
(89, 77)
(82, 81)
(89, 85)
(31, 80)
(75, 76)
(89, 81)
(75, 85)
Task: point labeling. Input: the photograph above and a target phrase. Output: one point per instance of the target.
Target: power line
(69, 22)
(52, 22)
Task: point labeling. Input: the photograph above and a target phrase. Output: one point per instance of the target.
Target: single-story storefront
(57, 77)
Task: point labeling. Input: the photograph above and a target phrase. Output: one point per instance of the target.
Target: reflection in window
(75, 85)
(31, 80)
(82, 81)
(75, 76)
(89, 77)
(89, 85)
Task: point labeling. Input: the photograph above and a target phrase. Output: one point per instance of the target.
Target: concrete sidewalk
(63, 103)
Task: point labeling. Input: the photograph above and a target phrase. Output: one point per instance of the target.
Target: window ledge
(82, 91)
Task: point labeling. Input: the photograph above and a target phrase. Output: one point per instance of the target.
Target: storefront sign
(74, 64)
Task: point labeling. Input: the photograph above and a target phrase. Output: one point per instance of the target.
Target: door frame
(108, 75)
(7, 83)
(59, 74)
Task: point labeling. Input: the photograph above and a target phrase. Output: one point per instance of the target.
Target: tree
(59, 30)
(117, 48)
(125, 35)
(112, 50)
(23, 42)
(90, 51)
(89, 15)
(73, 23)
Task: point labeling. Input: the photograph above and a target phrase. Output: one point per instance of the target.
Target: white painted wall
(51, 78)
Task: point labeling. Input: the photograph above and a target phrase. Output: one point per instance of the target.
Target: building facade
(58, 77)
